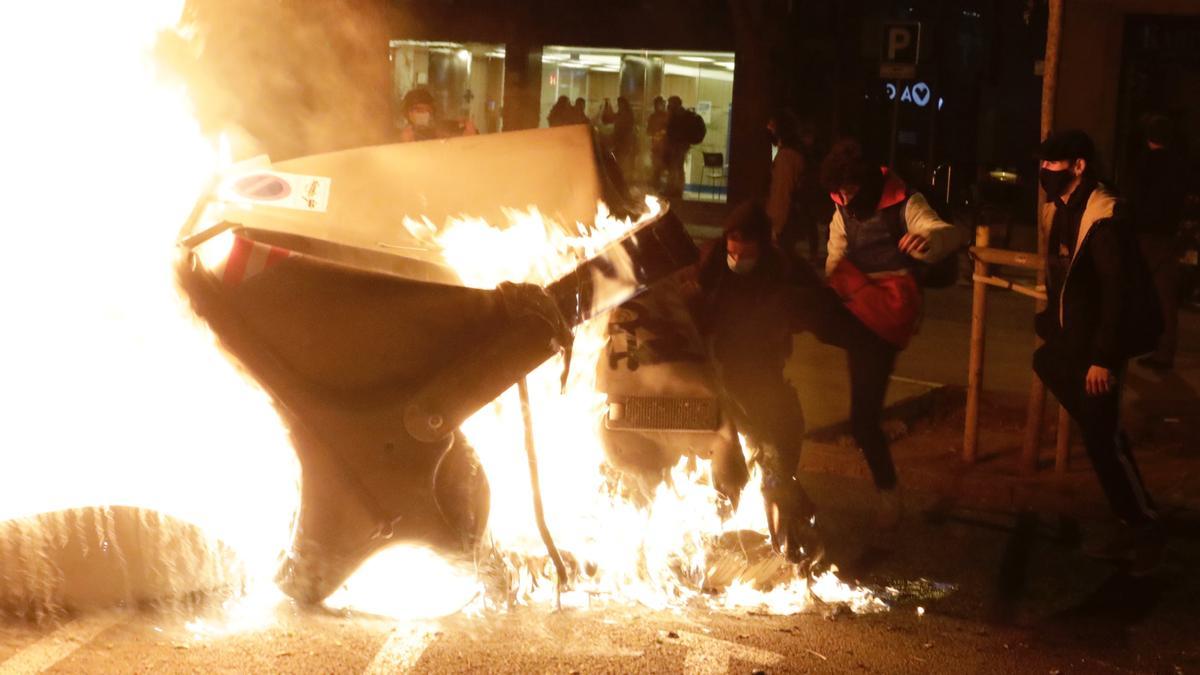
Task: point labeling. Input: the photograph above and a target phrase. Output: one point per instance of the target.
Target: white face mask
(740, 265)
(420, 119)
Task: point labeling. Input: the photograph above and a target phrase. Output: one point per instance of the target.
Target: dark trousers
(871, 360)
(1063, 373)
(1162, 255)
(764, 407)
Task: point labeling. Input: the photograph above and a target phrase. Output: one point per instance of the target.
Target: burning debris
(388, 331)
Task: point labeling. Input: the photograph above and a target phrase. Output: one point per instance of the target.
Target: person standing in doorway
(624, 139)
(789, 177)
(581, 116)
(561, 113)
(1157, 200)
(1102, 311)
(684, 129)
(656, 131)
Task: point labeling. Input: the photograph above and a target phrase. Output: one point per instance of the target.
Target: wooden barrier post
(1034, 415)
(978, 333)
(1037, 391)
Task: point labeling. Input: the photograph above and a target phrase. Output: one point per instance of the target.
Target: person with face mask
(422, 125)
(879, 231)
(1101, 311)
(746, 294)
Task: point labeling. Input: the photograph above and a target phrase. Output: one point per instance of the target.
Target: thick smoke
(288, 77)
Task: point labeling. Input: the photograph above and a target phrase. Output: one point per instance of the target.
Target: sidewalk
(926, 415)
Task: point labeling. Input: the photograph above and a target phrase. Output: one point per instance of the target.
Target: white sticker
(276, 188)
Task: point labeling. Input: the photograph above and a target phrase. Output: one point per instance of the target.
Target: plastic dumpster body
(373, 349)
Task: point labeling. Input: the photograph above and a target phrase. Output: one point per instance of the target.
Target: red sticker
(263, 187)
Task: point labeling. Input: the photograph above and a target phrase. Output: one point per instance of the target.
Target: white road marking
(60, 644)
(710, 656)
(402, 649)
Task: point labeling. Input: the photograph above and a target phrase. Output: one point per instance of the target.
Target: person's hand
(1098, 381)
(911, 243)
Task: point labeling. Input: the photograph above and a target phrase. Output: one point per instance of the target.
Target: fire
(656, 556)
(115, 395)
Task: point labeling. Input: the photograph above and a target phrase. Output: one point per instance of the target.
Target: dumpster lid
(378, 207)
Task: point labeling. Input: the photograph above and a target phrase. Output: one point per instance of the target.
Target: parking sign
(900, 50)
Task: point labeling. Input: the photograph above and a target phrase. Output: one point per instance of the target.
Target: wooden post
(1062, 447)
(1034, 414)
(978, 333)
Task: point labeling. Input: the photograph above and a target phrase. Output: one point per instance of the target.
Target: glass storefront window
(650, 158)
(465, 80)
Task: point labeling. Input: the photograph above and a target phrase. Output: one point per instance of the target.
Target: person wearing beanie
(745, 303)
(1101, 311)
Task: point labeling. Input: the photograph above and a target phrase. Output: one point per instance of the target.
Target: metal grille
(665, 414)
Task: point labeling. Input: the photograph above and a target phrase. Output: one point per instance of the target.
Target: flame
(114, 395)
(657, 556)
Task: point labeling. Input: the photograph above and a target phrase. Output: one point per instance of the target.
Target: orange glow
(114, 394)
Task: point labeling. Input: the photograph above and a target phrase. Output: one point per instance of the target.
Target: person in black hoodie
(746, 302)
(1102, 311)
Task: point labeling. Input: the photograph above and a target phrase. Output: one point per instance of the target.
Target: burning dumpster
(327, 279)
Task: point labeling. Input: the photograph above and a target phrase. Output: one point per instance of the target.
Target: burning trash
(385, 303)
(389, 343)
(331, 293)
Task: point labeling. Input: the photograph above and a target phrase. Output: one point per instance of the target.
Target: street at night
(645, 336)
(1003, 594)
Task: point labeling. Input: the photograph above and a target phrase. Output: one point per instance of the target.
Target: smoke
(287, 77)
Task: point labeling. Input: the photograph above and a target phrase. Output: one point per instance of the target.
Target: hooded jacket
(1101, 299)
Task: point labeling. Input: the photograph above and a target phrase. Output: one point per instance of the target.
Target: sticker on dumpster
(262, 186)
(285, 190)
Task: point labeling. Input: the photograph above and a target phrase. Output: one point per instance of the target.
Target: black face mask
(1055, 182)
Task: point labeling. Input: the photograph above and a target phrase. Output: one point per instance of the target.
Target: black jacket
(1102, 302)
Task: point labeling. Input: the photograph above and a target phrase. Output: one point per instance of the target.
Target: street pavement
(973, 585)
(1000, 593)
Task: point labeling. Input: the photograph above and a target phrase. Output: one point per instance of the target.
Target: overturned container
(326, 278)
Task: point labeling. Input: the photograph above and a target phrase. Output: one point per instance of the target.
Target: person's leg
(768, 413)
(870, 369)
(1112, 459)
(1111, 456)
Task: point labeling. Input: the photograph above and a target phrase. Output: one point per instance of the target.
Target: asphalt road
(1001, 592)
